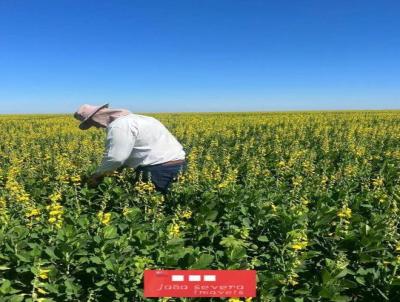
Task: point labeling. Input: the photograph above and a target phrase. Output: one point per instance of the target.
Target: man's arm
(118, 147)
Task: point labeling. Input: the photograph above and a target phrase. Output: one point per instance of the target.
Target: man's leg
(162, 176)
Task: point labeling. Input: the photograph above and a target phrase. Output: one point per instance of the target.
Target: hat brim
(84, 125)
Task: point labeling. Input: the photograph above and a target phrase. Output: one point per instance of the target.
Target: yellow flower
(234, 300)
(174, 230)
(56, 196)
(305, 201)
(377, 182)
(32, 212)
(104, 217)
(55, 214)
(75, 178)
(3, 203)
(144, 187)
(292, 280)
(23, 197)
(222, 185)
(63, 178)
(299, 245)
(281, 163)
(296, 246)
(187, 214)
(345, 212)
(126, 211)
(41, 291)
(43, 273)
(297, 180)
(158, 198)
(349, 170)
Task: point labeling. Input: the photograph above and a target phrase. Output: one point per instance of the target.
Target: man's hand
(93, 181)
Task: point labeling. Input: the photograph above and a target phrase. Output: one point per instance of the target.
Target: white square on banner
(194, 277)
(177, 277)
(209, 278)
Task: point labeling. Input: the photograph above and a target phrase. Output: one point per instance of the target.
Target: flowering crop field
(308, 199)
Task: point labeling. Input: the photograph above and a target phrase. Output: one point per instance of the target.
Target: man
(135, 141)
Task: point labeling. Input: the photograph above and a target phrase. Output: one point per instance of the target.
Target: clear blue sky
(199, 55)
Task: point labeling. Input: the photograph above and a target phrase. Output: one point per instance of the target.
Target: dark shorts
(161, 175)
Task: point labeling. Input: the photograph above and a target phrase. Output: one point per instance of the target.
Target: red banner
(199, 283)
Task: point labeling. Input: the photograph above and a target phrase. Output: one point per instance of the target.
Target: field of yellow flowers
(308, 199)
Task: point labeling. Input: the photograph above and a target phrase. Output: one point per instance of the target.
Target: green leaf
(108, 264)
(326, 276)
(110, 232)
(366, 205)
(263, 238)
(50, 251)
(71, 287)
(3, 268)
(230, 241)
(96, 260)
(343, 273)
(175, 242)
(212, 215)
(50, 287)
(23, 258)
(237, 252)
(204, 261)
(18, 298)
(101, 283)
(361, 280)
(111, 288)
(340, 298)
(5, 286)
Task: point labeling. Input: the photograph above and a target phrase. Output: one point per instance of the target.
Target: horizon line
(205, 112)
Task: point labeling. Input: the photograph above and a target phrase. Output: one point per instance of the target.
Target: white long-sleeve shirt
(136, 140)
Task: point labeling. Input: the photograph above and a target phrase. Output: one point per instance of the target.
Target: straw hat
(85, 112)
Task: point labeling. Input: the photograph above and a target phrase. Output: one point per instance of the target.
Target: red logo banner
(199, 283)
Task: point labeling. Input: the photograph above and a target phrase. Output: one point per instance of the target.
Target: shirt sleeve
(118, 147)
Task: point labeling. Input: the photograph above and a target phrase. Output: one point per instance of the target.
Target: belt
(173, 162)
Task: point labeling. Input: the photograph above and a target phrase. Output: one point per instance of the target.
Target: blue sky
(199, 55)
